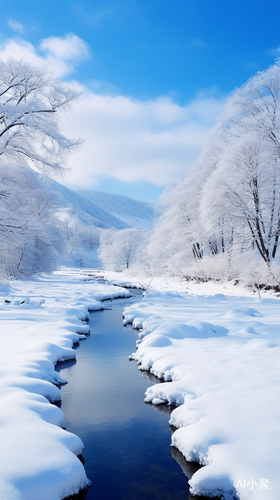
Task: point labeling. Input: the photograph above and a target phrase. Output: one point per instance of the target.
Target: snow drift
(39, 322)
(219, 358)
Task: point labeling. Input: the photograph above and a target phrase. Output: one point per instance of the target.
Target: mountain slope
(132, 212)
(86, 210)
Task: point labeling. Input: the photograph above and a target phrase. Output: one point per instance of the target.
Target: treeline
(31, 100)
(222, 220)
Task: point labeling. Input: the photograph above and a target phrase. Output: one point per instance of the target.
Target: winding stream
(127, 442)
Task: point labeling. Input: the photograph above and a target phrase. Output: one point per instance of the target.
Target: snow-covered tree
(119, 248)
(31, 234)
(89, 236)
(179, 238)
(228, 204)
(31, 100)
(82, 241)
(244, 190)
(108, 252)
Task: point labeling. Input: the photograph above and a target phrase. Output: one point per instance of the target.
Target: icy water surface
(127, 442)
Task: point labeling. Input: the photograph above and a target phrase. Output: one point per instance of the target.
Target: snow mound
(242, 311)
(40, 320)
(221, 370)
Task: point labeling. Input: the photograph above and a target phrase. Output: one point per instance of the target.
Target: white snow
(103, 210)
(84, 209)
(39, 322)
(217, 348)
(135, 213)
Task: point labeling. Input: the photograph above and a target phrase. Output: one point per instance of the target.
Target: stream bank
(127, 451)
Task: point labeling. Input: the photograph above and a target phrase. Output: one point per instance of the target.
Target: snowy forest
(221, 220)
(30, 139)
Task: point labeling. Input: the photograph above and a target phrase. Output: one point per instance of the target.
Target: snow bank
(39, 322)
(219, 356)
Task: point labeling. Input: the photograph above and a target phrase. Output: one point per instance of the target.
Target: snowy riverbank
(217, 346)
(219, 355)
(39, 322)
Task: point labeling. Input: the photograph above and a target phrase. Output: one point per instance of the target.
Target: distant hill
(83, 208)
(97, 209)
(132, 212)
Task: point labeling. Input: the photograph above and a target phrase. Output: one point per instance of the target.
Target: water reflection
(188, 468)
(153, 379)
(127, 445)
(163, 408)
(68, 363)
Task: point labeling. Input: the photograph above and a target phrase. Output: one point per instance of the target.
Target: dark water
(127, 442)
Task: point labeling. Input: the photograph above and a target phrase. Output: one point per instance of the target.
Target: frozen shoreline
(227, 416)
(219, 355)
(40, 320)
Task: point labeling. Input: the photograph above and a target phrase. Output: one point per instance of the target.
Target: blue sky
(154, 74)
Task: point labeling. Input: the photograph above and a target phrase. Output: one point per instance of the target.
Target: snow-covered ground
(217, 347)
(39, 322)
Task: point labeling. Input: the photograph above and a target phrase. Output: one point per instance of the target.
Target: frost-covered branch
(30, 102)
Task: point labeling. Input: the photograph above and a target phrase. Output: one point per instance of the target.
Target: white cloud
(60, 54)
(126, 139)
(19, 49)
(16, 26)
(151, 141)
(70, 48)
